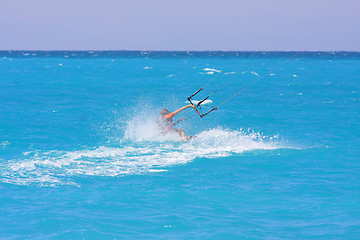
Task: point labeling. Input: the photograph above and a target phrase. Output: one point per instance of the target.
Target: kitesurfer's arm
(170, 115)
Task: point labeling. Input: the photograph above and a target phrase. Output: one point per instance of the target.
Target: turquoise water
(81, 156)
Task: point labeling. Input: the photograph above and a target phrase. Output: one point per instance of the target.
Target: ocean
(82, 157)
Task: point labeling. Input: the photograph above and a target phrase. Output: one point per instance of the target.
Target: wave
(140, 148)
(212, 70)
(135, 155)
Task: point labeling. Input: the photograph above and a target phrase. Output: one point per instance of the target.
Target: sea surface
(82, 156)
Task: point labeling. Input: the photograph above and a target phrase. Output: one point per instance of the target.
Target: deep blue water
(81, 156)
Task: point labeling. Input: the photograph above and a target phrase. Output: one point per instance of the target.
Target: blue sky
(180, 25)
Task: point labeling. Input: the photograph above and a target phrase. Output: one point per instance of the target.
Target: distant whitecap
(255, 73)
(211, 70)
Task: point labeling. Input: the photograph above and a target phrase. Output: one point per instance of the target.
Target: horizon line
(188, 51)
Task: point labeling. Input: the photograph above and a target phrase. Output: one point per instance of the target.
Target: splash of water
(142, 148)
(145, 128)
(137, 153)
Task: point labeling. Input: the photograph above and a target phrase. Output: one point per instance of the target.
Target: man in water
(166, 122)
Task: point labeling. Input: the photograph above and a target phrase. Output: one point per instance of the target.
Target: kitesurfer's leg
(181, 133)
(183, 136)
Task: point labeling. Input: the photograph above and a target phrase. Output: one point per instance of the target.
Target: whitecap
(255, 73)
(211, 70)
(5, 143)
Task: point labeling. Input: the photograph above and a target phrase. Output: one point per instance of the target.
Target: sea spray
(145, 127)
(139, 152)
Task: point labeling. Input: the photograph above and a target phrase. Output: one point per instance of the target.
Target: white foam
(139, 148)
(252, 72)
(135, 155)
(4, 143)
(255, 73)
(212, 70)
